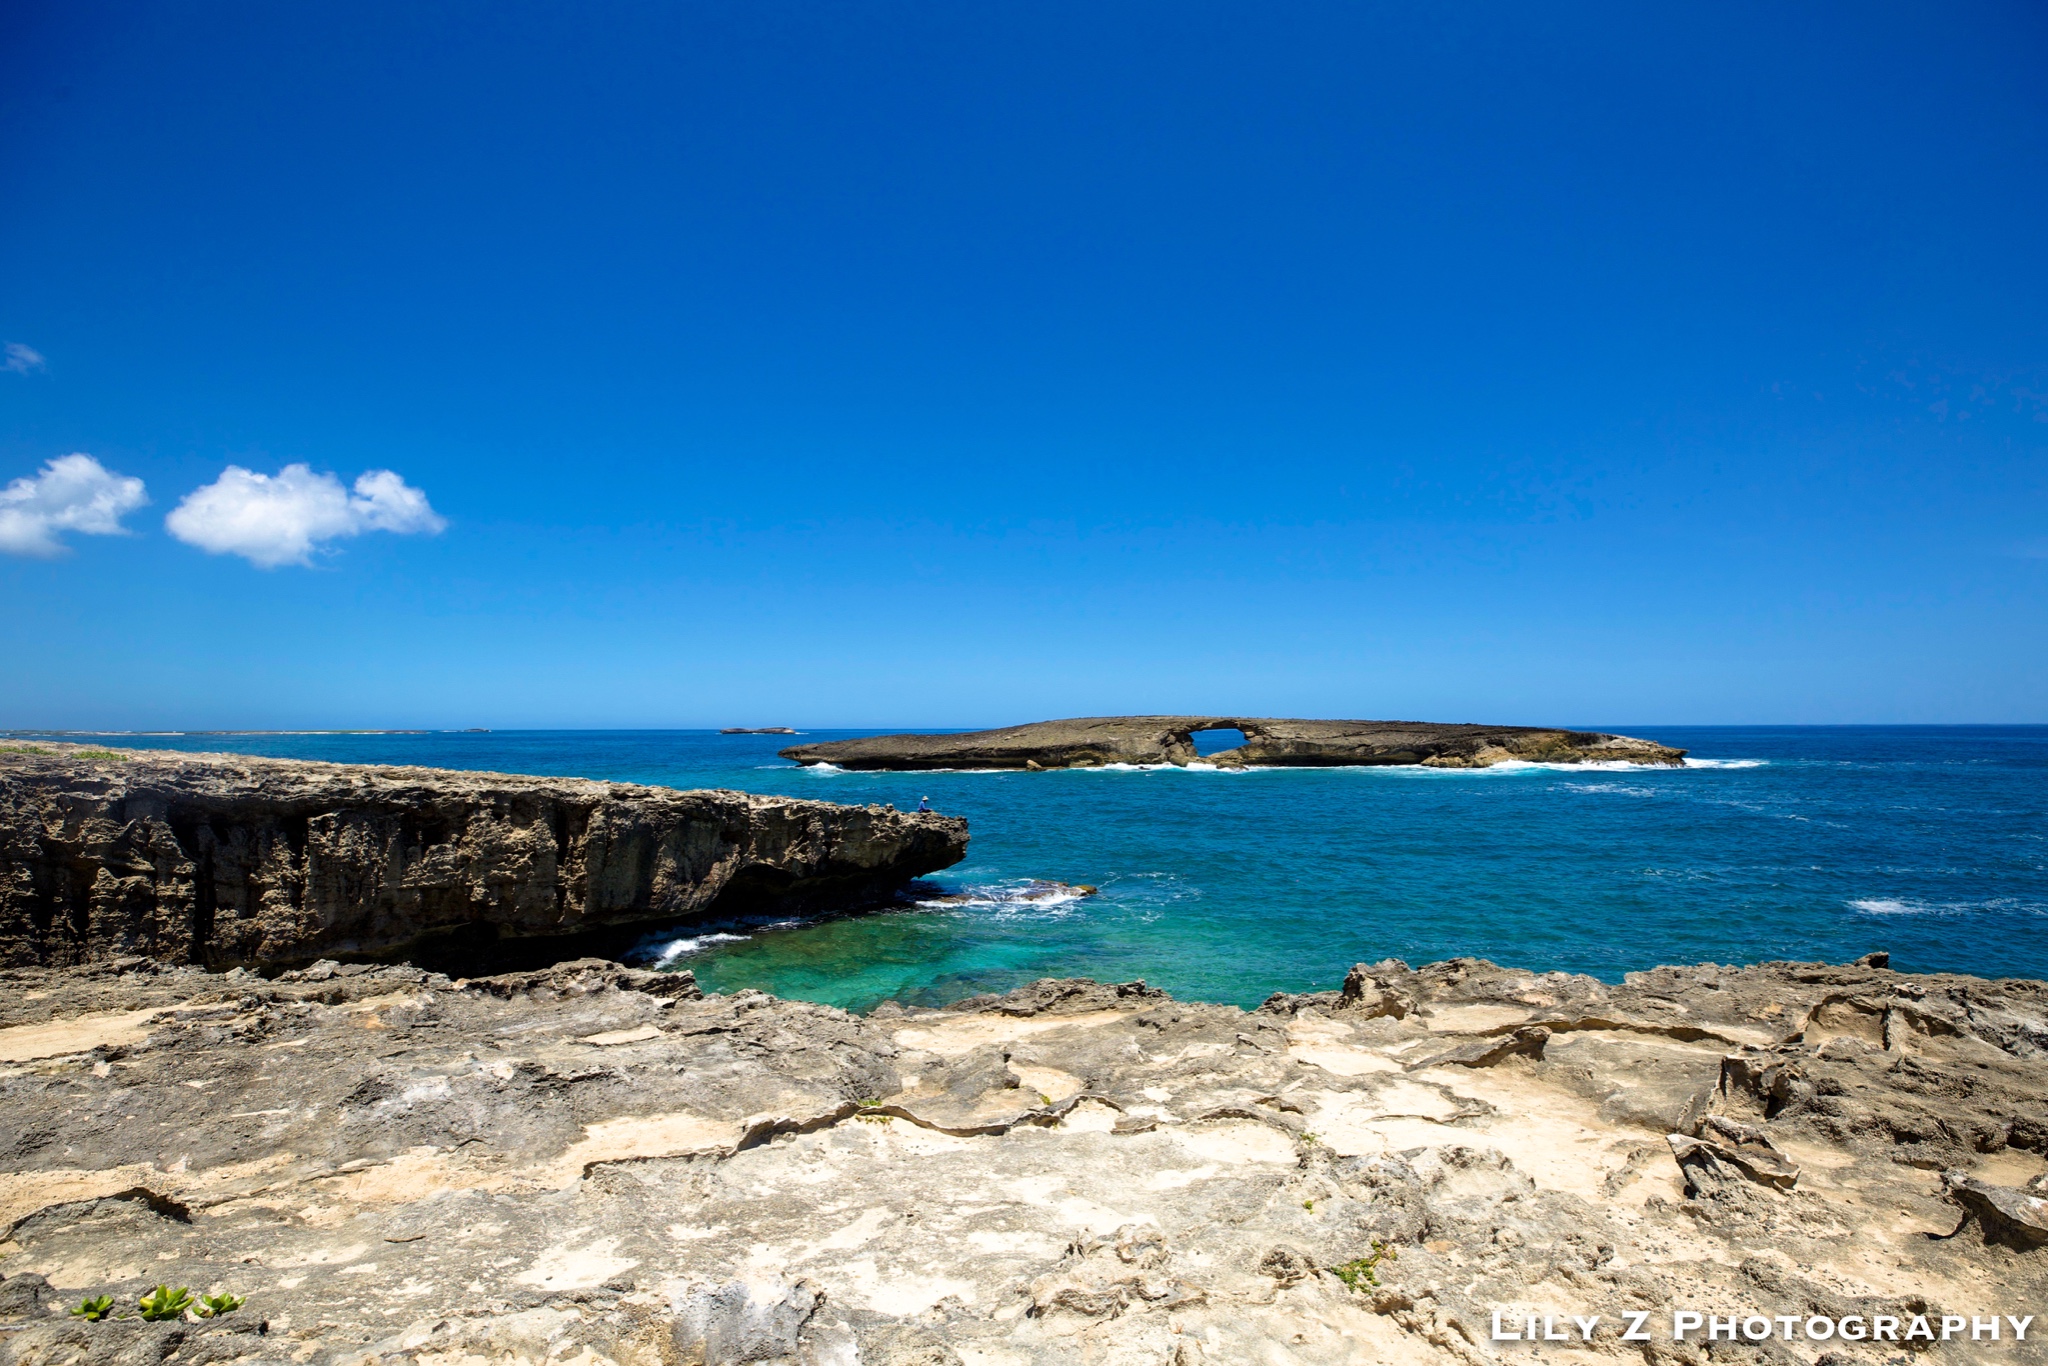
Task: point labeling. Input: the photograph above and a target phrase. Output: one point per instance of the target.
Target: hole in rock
(1209, 742)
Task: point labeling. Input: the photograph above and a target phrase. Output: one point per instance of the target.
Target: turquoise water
(1781, 842)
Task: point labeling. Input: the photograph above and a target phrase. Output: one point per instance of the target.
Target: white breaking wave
(1084, 768)
(695, 943)
(1524, 765)
(1503, 766)
(1887, 905)
(1011, 897)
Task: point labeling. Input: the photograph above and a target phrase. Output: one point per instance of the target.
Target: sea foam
(1011, 897)
(1887, 905)
(665, 954)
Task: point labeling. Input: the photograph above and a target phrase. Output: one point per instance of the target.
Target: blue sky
(893, 364)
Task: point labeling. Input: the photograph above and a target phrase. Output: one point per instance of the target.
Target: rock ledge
(589, 1164)
(226, 860)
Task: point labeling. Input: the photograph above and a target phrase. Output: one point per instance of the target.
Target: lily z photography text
(1693, 1325)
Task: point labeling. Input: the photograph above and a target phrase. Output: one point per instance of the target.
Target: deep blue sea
(1775, 842)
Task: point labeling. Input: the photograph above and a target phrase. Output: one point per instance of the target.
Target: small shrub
(101, 754)
(1309, 1205)
(94, 1309)
(1362, 1272)
(213, 1306)
(22, 749)
(165, 1303)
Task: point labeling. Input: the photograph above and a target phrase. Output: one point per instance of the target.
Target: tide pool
(1774, 842)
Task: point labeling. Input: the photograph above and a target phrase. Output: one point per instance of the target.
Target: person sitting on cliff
(924, 803)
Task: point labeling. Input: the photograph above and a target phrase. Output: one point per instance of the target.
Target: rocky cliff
(590, 1165)
(224, 860)
(1093, 741)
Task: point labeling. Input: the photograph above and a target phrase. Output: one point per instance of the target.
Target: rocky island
(1091, 742)
(228, 860)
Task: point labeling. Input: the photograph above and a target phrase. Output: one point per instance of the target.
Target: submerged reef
(591, 1164)
(1091, 742)
(228, 860)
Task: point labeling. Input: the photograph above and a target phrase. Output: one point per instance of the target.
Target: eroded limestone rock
(2019, 1216)
(587, 1164)
(224, 859)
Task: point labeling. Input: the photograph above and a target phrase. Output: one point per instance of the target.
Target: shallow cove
(1782, 842)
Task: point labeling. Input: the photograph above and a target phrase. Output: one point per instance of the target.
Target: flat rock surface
(589, 1164)
(1094, 741)
(226, 859)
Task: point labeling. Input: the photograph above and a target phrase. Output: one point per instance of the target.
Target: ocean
(1773, 842)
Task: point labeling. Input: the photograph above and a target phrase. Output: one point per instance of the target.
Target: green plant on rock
(22, 749)
(94, 1309)
(100, 754)
(165, 1303)
(1362, 1272)
(213, 1306)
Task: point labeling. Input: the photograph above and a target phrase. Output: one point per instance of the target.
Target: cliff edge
(230, 860)
(1090, 742)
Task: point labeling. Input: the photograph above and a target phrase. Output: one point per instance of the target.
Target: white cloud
(73, 493)
(387, 503)
(22, 360)
(281, 519)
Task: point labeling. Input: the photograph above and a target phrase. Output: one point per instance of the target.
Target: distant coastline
(60, 734)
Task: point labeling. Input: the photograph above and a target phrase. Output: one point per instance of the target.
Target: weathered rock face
(227, 860)
(594, 1165)
(1094, 741)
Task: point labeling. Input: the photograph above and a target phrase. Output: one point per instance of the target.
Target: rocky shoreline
(589, 1164)
(229, 860)
(1091, 742)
